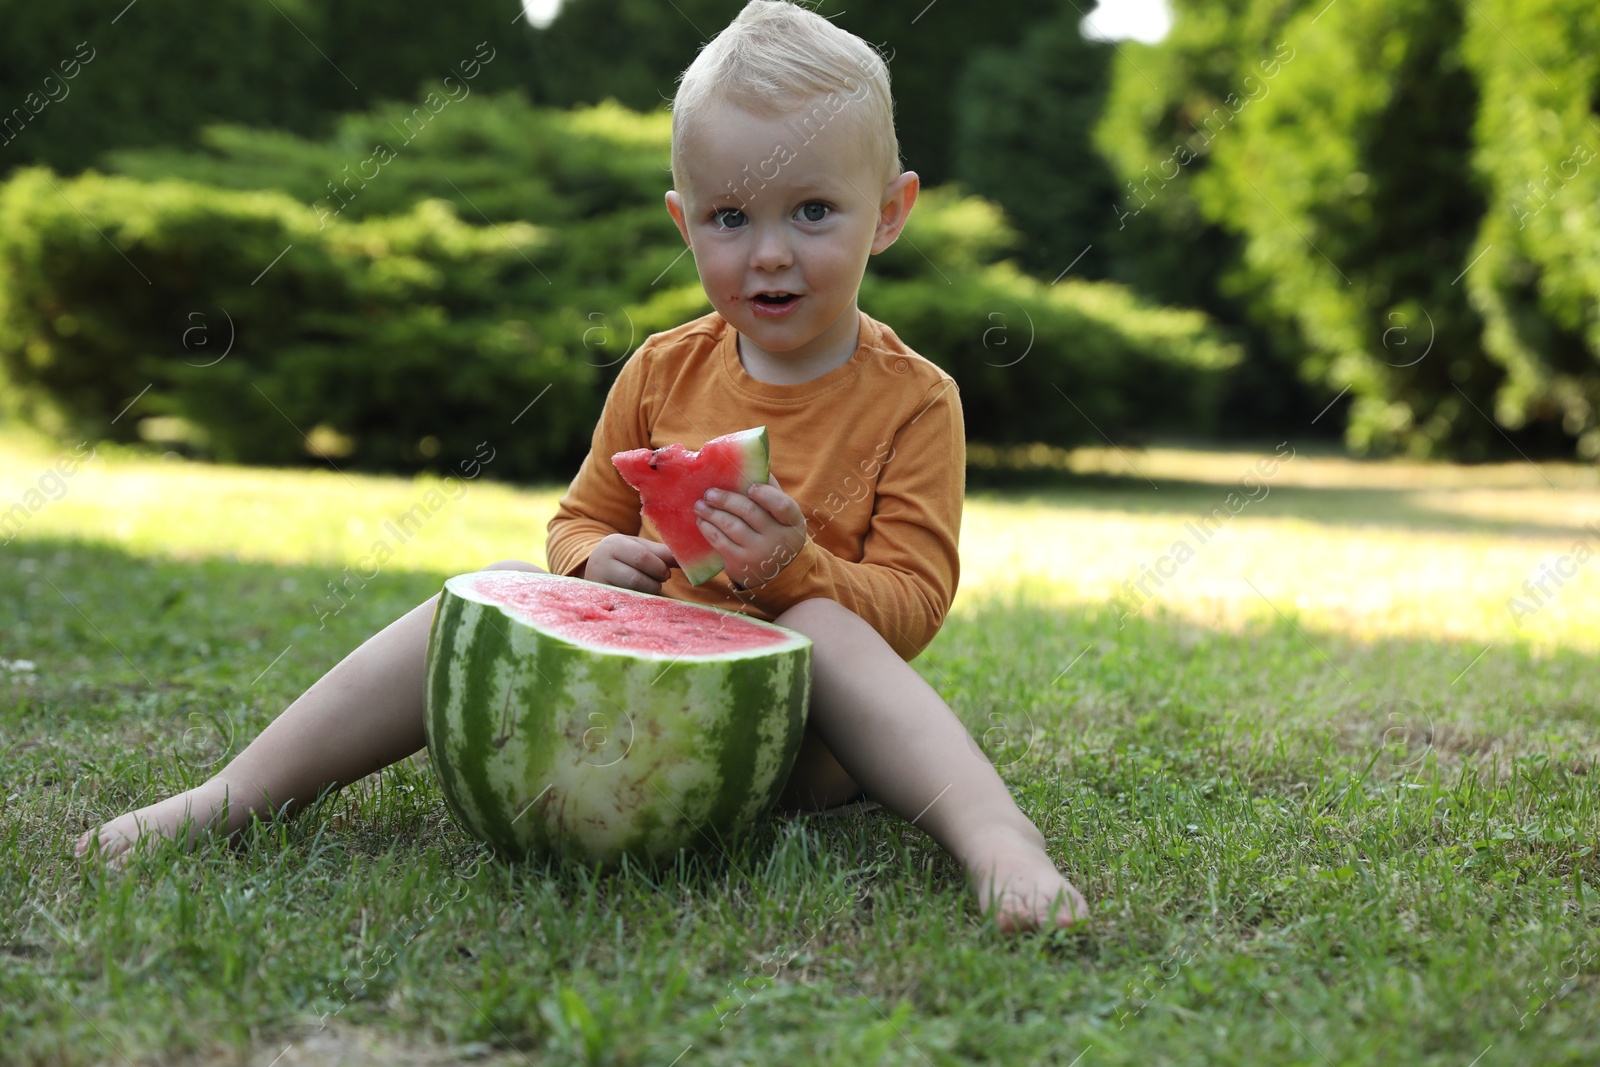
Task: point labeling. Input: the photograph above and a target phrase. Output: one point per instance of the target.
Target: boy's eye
(728, 218)
(815, 211)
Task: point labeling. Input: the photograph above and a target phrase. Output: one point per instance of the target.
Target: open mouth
(775, 299)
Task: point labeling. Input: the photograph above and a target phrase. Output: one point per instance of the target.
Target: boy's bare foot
(117, 838)
(1012, 873)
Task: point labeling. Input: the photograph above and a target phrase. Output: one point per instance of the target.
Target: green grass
(1331, 805)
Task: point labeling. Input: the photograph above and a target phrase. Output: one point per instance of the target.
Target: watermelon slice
(671, 479)
(569, 718)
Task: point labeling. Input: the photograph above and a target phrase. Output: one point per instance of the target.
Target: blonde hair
(776, 56)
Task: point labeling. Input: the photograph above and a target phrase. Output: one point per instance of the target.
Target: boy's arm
(909, 567)
(598, 502)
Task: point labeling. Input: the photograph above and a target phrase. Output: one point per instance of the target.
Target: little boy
(787, 178)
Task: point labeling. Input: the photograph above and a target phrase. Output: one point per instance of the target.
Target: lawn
(1327, 773)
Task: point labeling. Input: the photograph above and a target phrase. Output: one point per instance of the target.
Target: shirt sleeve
(599, 502)
(910, 565)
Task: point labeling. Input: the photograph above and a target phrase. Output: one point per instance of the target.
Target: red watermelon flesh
(594, 616)
(670, 480)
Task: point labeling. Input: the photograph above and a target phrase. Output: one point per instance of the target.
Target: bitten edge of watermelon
(756, 447)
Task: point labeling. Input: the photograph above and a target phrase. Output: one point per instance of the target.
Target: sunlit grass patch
(1374, 550)
(1369, 549)
(181, 509)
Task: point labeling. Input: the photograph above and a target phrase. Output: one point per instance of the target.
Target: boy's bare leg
(817, 781)
(361, 716)
(892, 733)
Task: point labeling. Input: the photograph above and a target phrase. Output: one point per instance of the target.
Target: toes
(103, 845)
(1016, 912)
(1069, 913)
(1068, 909)
(87, 844)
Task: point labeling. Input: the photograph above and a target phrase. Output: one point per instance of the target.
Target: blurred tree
(389, 47)
(1315, 162)
(634, 50)
(155, 73)
(151, 77)
(629, 50)
(162, 71)
(1155, 135)
(1024, 118)
(1538, 150)
(1157, 131)
(1348, 176)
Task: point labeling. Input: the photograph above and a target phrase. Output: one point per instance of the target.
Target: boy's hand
(756, 534)
(629, 563)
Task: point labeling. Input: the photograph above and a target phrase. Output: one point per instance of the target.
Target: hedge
(399, 333)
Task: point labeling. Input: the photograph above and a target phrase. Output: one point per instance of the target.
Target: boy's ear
(675, 209)
(894, 209)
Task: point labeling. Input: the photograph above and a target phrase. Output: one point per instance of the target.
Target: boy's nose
(771, 252)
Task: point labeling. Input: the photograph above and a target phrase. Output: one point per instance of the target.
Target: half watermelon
(671, 479)
(569, 718)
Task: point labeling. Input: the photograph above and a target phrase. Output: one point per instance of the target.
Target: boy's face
(781, 225)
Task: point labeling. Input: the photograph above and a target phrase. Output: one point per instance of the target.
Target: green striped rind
(757, 466)
(546, 747)
(758, 453)
(702, 570)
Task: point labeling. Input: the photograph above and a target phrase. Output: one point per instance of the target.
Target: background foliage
(1537, 150)
(162, 71)
(1349, 166)
(1383, 215)
(383, 327)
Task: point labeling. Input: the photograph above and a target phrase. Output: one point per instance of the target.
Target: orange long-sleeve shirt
(874, 452)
